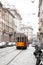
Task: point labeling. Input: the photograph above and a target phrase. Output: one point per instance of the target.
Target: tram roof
(20, 34)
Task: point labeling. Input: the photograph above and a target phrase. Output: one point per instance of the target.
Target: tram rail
(14, 57)
(7, 53)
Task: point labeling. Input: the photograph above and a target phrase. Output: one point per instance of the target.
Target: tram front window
(20, 39)
(17, 39)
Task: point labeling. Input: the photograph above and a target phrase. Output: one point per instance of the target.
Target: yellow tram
(21, 41)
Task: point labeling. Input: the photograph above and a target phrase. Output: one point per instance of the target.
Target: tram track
(8, 53)
(14, 57)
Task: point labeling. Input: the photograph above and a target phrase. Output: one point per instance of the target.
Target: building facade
(7, 23)
(41, 21)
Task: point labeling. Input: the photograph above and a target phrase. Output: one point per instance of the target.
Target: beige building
(41, 20)
(27, 30)
(7, 23)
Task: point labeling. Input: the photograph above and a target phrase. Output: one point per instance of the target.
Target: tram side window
(26, 40)
(22, 39)
(17, 39)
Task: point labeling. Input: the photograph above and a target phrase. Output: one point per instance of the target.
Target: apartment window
(42, 36)
(10, 29)
(6, 27)
(0, 25)
(3, 26)
(39, 29)
(10, 19)
(42, 11)
(6, 16)
(0, 13)
(3, 15)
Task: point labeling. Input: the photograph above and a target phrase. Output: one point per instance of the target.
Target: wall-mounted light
(32, 1)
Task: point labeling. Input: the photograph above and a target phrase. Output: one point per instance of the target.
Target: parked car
(14, 43)
(35, 43)
(2, 44)
(11, 44)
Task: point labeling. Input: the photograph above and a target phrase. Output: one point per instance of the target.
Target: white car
(14, 43)
(11, 44)
(2, 44)
(34, 44)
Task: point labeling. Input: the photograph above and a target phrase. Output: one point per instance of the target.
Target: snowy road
(12, 56)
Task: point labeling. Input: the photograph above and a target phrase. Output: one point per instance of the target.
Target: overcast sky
(28, 11)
